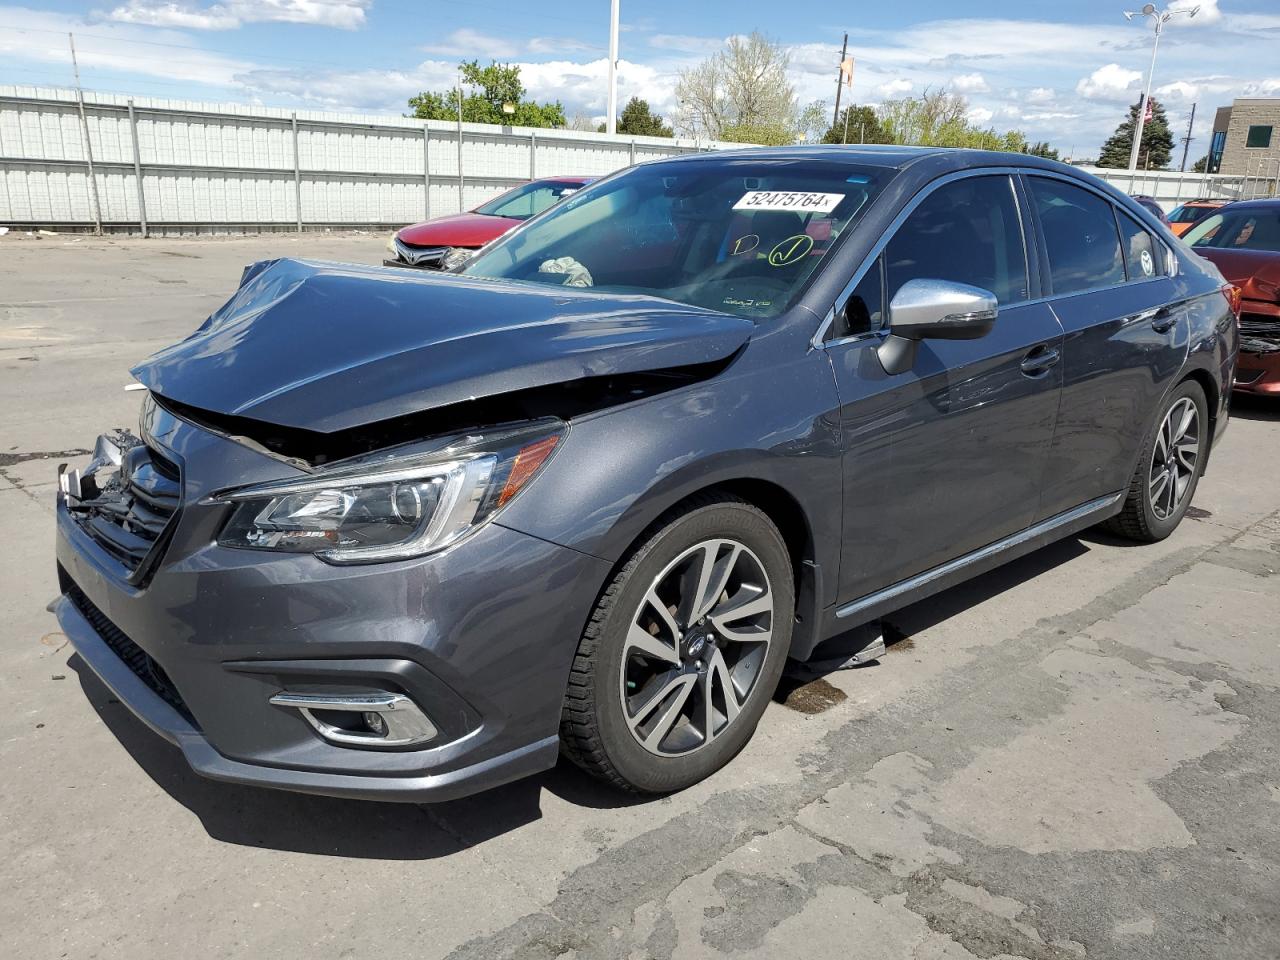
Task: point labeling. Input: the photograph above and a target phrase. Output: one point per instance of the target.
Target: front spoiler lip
(148, 707)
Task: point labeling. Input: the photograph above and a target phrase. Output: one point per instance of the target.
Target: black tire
(594, 732)
(1139, 519)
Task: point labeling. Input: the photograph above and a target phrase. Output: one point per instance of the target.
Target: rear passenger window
(1141, 257)
(967, 231)
(1080, 236)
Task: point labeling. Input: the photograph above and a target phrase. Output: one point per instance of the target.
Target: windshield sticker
(790, 250)
(1148, 265)
(744, 244)
(789, 200)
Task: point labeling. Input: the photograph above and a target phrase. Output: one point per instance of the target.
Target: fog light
(389, 719)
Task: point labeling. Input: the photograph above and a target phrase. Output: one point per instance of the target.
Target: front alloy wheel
(695, 647)
(683, 649)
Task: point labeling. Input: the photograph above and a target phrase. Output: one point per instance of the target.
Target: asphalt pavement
(1076, 756)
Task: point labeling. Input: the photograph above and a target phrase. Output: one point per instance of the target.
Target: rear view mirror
(934, 310)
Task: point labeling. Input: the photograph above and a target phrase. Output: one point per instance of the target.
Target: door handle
(1165, 320)
(1038, 361)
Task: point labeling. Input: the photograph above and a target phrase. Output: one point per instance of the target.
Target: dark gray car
(406, 537)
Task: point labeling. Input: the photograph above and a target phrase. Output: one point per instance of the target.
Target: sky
(1061, 72)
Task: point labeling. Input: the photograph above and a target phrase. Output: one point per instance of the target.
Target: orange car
(1190, 213)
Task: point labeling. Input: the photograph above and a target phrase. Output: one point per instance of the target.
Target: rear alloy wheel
(683, 652)
(1169, 469)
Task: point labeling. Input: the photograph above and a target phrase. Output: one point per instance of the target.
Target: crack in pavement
(592, 912)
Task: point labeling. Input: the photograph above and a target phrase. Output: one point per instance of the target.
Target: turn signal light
(528, 460)
(1235, 297)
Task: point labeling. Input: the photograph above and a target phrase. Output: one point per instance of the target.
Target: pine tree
(1157, 141)
(638, 120)
(863, 126)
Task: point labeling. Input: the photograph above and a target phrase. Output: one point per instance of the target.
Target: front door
(949, 456)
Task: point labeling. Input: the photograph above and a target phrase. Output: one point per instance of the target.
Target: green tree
(761, 134)
(1201, 165)
(811, 122)
(862, 125)
(638, 120)
(938, 118)
(1157, 141)
(489, 88)
(1041, 149)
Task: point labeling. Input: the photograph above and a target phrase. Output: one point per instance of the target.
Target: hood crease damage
(316, 362)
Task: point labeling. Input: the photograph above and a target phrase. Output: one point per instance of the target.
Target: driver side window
(967, 231)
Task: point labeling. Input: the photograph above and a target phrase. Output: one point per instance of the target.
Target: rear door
(949, 456)
(1125, 336)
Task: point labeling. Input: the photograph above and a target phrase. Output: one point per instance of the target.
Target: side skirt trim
(1077, 517)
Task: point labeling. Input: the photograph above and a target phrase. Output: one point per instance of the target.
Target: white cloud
(980, 115)
(562, 46)
(1178, 90)
(1039, 95)
(970, 83)
(472, 44)
(230, 14)
(1110, 82)
(894, 87)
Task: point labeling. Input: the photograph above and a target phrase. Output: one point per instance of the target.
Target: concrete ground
(1075, 756)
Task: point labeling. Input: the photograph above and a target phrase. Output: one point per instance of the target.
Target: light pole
(611, 121)
(1158, 19)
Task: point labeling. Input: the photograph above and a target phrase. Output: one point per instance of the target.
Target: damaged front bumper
(1258, 367)
(246, 661)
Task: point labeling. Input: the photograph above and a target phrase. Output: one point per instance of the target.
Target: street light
(1158, 19)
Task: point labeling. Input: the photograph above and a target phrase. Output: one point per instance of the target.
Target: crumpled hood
(457, 230)
(327, 346)
(1255, 272)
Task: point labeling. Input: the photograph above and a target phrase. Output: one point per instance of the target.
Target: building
(1246, 138)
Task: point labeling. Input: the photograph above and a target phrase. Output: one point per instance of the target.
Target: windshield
(1256, 229)
(1187, 214)
(529, 200)
(740, 236)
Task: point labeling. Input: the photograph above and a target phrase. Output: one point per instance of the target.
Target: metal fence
(137, 164)
(1171, 188)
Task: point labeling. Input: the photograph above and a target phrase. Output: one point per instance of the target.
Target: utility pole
(611, 121)
(88, 145)
(1186, 141)
(844, 51)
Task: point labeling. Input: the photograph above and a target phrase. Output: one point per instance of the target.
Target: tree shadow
(302, 823)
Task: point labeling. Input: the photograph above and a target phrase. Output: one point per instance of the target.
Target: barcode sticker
(789, 200)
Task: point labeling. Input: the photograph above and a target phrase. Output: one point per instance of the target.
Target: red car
(426, 245)
(1243, 240)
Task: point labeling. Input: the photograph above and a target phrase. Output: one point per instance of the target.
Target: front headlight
(400, 504)
(455, 257)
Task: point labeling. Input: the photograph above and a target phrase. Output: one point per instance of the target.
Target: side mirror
(934, 310)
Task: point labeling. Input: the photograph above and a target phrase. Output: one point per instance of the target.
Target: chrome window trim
(818, 341)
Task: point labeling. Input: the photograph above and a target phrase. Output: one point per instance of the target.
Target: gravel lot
(1075, 756)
